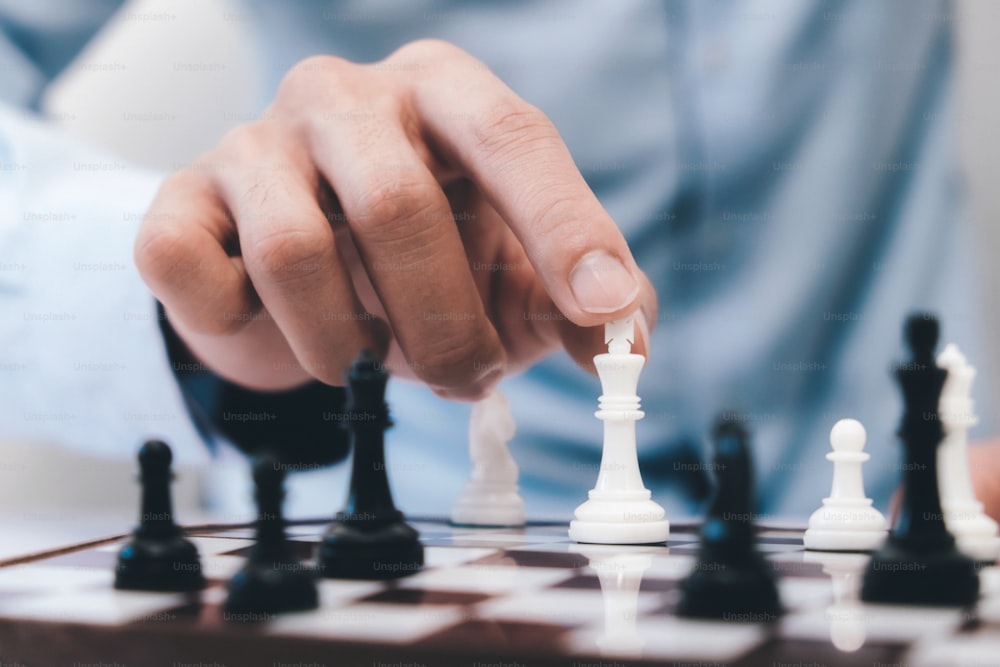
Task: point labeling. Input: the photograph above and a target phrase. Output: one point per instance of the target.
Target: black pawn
(272, 580)
(157, 557)
(731, 580)
(370, 538)
(919, 563)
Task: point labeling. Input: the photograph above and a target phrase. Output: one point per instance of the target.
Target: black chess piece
(919, 563)
(370, 538)
(731, 580)
(272, 580)
(157, 557)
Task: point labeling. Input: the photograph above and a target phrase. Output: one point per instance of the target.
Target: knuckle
(245, 143)
(303, 77)
(455, 361)
(180, 183)
(291, 255)
(428, 49)
(159, 252)
(393, 209)
(558, 217)
(226, 322)
(511, 124)
(320, 366)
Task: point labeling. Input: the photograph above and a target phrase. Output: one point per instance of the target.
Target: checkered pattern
(498, 590)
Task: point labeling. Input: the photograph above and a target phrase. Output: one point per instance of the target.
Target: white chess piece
(846, 521)
(975, 533)
(619, 509)
(491, 497)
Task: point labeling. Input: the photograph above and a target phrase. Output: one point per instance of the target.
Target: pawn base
(817, 539)
(984, 550)
(896, 575)
(489, 508)
(170, 565)
(599, 532)
(841, 525)
(975, 533)
(259, 590)
(387, 551)
(619, 521)
(744, 593)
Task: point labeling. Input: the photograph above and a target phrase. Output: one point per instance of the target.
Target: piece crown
(848, 435)
(619, 335)
(155, 457)
(922, 335)
(367, 380)
(960, 373)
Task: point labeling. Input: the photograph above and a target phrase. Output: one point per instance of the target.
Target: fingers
(527, 320)
(186, 252)
(290, 253)
(516, 156)
(584, 343)
(383, 141)
(403, 227)
(180, 253)
(984, 467)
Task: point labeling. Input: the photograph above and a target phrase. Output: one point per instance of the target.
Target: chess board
(486, 597)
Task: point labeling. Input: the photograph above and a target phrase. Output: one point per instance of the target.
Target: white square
(372, 622)
(451, 556)
(486, 578)
(670, 638)
(880, 623)
(565, 606)
(39, 579)
(101, 607)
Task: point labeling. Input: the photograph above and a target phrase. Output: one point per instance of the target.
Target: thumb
(583, 343)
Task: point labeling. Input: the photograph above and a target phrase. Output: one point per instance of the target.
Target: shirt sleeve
(87, 356)
(82, 359)
(305, 427)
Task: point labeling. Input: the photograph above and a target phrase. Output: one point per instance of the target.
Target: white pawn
(491, 497)
(846, 521)
(975, 533)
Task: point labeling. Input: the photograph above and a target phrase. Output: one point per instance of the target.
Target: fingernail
(601, 283)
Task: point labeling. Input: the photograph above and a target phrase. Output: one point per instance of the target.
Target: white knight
(491, 497)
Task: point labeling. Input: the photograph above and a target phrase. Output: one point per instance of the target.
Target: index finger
(516, 156)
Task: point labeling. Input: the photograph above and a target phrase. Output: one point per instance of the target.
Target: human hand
(415, 206)
(984, 466)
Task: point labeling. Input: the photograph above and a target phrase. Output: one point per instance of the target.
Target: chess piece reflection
(620, 574)
(846, 615)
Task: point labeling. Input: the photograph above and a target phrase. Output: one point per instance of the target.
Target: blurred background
(191, 62)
